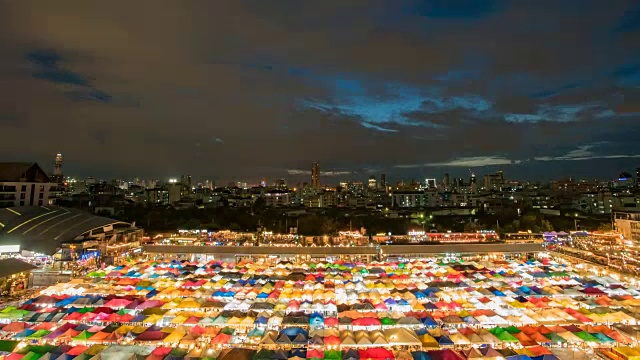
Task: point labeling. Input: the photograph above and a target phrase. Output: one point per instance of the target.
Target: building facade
(315, 176)
(24, 184)
(627, 222)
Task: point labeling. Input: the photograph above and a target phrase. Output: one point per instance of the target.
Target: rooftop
(44, 229)
(13, 266)
(22, 172)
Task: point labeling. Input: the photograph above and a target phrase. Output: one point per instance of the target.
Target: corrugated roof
(44, 229)
(12, 266)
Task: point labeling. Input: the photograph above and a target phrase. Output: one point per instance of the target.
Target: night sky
(249, 89)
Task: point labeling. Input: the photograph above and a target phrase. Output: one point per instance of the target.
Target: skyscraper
(383, 182)
(373, 183)
(57, 170)
(315, 175)
(186, 181)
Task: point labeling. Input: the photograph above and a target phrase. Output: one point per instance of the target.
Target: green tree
(546, 225)
(329, 226)
(260, 205)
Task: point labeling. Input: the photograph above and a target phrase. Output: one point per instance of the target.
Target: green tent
(332, 355)
(8, 309)
(38, 334)
(512, 330)
(83, 336)
(13, 314)
(256, 332)
(179, 352)
(263, 354)
(555, 338)
(387, 321)
(506, 337)
(8, 345)
(85, 310)
(31, 356)
(496, 330)
(123, 312)
(38, 349)
(227, 330)
(586, 336)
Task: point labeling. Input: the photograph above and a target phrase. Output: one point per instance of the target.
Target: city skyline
(317, 179)
(538, 89)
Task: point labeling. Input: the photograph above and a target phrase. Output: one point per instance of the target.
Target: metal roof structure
(12, 266)
(44, 229)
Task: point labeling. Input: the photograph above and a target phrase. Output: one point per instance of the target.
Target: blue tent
(25, 333)
(421, 355)
(429, 321)
(294, 331)
(444, 341)
(261, 320)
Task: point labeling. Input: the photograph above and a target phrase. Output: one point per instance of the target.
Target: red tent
(77, 350)
(15, 327)
(376, 353)
(313, 353)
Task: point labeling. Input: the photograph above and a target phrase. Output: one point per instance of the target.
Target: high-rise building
(57, 177)
(315, 175)
(383, 182)
(446, 181)
(430, 183)
(186, 181)
(494, 181)
(638, 177)
(373, 183)
(281, 184)
(474, 183)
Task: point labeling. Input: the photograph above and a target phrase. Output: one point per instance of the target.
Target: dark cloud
(457, 9)
(47, 64)
(630, 22)
(243, 89)
(516, 104)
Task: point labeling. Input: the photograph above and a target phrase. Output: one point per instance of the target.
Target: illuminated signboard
(9, 248)
(89, 255)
